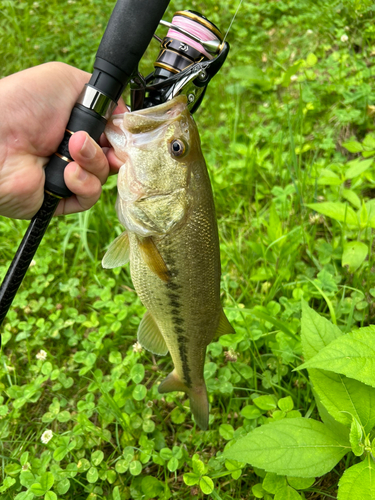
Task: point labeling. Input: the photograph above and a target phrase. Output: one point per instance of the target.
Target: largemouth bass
(165, 203)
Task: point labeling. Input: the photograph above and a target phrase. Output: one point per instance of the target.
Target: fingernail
(88, 150)
(81, 173)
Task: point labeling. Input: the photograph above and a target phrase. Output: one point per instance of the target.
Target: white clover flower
(32, 263)
(137, 347)
(309, 32)
(266, 105)
(46, 436)
(293, 78)
(344, 38)
(314, 218)
(41, 355)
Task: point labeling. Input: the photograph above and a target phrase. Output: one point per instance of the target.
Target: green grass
(273, 126)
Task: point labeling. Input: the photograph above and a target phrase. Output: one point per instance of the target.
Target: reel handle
(129, 31)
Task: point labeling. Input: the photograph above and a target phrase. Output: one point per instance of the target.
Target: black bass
(165, 203)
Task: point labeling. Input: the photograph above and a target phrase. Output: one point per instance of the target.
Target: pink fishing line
(194, 28)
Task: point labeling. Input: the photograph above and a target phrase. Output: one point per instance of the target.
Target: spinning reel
(192, 52)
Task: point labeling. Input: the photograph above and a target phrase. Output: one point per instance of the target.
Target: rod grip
(129, 31)
(80, 119)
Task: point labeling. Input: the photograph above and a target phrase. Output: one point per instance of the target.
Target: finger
(121, 107)
(113, 162)
(89, 155)
(86, 187)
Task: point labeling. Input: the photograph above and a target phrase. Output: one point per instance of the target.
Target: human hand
(35, 106)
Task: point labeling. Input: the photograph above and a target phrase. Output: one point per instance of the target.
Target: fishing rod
(191, 54)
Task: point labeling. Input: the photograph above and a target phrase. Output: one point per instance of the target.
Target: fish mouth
(150, 119)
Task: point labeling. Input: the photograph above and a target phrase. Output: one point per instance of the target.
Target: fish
(166, 206)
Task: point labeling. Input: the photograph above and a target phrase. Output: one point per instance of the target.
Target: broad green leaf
(50, 495)
(352, 197)
(357, 167)
(339, 430)
(316, 331)
(92, 475)
(285, 404)
(97, 457)
(27, 478)
(300, 483)
(178, 416)
(341, 212)
(172, 464)
(352, 355)
(121, 466)
(354, 254)
(166, 453)
(25, 495)
(139, 392)
(63, 486)
(298, 447)
(355, 437)
(198, 466)
(152, 487)
(353, 146)
(345, 397)
(272, 482)
(265, 403)
(116, 493)
(370, 207)
(226, 431)
(190, 478)
(206, 484)
(358, 482)
(257, 490)
(137, 373)
(250, 412)
(24, 458)
(60, 453)
(135, 468)
(37, 489)
(47, 480)
(311, 59)
(329, 178)
(7, 483)
(287, 493)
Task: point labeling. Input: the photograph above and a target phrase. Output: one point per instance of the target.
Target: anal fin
(118, 252)
(151, 256)
(150, 337)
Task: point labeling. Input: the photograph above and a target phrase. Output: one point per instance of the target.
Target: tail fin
(197, 395)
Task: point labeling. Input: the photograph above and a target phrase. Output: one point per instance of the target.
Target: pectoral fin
(224, 327)
(150, 337)
(118, 252)
(151, 256)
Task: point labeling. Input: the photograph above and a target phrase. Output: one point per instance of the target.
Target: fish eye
(178, 148)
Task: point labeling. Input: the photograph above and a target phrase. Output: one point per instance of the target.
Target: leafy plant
(342, 375)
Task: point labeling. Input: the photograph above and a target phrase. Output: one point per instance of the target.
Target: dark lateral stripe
(178, 321)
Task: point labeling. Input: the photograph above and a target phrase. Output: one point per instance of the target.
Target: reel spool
(179, 50)
(191, 53)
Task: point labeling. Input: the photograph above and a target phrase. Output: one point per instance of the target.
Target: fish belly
(187, 307)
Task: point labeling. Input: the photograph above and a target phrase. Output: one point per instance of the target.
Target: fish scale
(166, 205)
